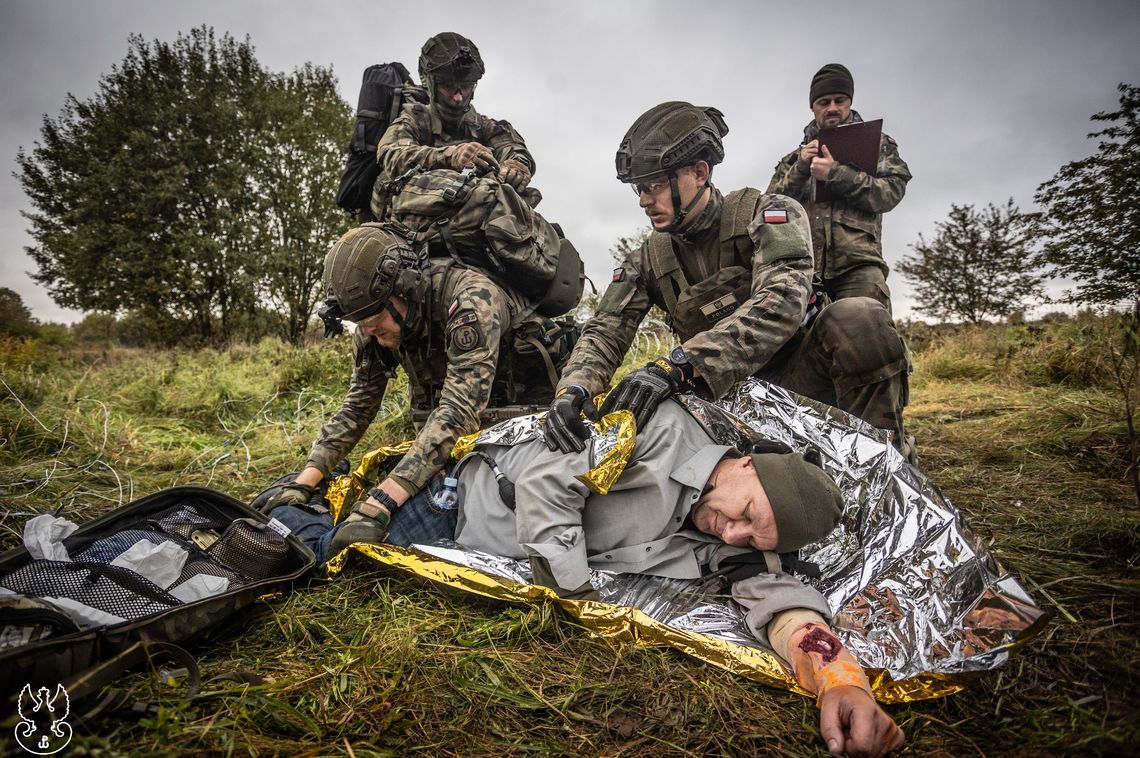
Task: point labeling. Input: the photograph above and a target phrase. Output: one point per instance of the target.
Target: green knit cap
(806, 503)
(834, 77)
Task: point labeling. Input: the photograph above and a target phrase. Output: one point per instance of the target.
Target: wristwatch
(678, 358)
(385, 499)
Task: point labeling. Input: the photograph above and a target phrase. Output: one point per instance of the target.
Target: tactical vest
(695, 308)
(532, 351)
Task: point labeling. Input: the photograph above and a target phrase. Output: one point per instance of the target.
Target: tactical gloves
(564, 428)
(471, 154)
(515, 173)
(290, 493)
(641, 391)
(359, 526)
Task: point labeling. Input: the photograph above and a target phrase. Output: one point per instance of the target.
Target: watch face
(678, 356)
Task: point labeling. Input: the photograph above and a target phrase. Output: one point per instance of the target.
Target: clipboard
(854, 144)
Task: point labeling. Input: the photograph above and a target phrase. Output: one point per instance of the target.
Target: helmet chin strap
(679, 213)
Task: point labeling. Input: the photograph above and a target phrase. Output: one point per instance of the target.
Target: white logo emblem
(43, 727)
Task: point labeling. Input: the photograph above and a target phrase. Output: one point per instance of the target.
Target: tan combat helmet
(668, 137)
(364, 269)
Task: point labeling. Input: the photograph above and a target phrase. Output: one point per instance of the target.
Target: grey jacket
(640, 526)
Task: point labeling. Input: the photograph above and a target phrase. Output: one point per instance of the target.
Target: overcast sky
(985, 99)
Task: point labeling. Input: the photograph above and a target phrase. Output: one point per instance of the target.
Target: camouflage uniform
(847, 234)
(850, 356)
(418, 136)
(468, 357)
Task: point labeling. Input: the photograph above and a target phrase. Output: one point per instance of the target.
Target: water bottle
(448, 497)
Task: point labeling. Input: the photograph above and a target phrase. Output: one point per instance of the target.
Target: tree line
(193, 194)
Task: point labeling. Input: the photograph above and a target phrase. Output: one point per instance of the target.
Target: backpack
(383, 92)
(487, 224)
(82, 623)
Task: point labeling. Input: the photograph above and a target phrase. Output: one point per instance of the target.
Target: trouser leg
(862, 281)
(313, 529)
(851, 358)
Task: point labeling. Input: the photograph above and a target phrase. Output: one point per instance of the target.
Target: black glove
(643, 390)
(564, 428)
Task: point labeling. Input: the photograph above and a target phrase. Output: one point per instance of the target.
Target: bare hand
(822, 164)
(852, 722)
(515, 174)
(809, 151)
(473, 154)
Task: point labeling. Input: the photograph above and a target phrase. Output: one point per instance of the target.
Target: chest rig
(694, 307)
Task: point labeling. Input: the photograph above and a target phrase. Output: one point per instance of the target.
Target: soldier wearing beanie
(846, 231)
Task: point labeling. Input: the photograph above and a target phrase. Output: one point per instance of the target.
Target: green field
(1019, 425)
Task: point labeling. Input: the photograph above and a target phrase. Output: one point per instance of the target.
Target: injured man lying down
(682, 507)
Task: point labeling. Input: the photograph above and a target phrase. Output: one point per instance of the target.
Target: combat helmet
(449, 57)
(364, 269)
(668, 137)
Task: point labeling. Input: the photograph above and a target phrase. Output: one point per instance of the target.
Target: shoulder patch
(451, 309)
(466, 337)
(775, 216)
(466, 318)
(619, 274)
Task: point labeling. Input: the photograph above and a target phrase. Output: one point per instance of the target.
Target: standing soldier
(733, 274)
(846, 232)
(447, 132)
(453, 331)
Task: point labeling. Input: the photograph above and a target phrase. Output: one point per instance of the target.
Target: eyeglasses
(650, 189)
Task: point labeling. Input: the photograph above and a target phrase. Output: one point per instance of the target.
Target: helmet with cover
(365, 268)
(668, 137)
(449, 57)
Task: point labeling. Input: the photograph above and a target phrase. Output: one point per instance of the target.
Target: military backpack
(385, 89)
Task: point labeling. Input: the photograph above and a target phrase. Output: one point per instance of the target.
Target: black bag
(382, 93)
(223, 539)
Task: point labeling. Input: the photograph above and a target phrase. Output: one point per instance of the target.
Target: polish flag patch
(775, 216)
(619, 274)
(454, 305)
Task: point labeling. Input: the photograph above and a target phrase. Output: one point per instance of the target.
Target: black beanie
(834, 77)
(805, 501)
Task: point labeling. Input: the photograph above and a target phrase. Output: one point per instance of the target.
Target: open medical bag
(83, 622)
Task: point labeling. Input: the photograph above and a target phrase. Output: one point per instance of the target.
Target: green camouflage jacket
(466, 358)
(845, 233)
(417, 136)
(749, 324)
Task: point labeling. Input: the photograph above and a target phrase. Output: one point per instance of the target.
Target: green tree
(165, 193)
(978, 265)
(1090, 217)
(15, 318)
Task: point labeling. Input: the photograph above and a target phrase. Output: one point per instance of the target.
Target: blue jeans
(416, 521)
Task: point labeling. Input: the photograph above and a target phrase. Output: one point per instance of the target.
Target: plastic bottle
(448, 497)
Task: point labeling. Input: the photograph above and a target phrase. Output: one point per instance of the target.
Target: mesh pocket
(110, 589)
(250, 548)
(187, 518)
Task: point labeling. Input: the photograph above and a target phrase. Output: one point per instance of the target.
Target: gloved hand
(289, 493)
(564, 428)
(472, 154)
(641, 391)
(515, 173)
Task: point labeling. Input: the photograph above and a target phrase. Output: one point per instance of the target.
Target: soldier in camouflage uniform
(847, 232)
(733, 274)
(453, 331)
(448, 132)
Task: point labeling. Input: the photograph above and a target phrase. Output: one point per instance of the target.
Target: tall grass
(1019, 425)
